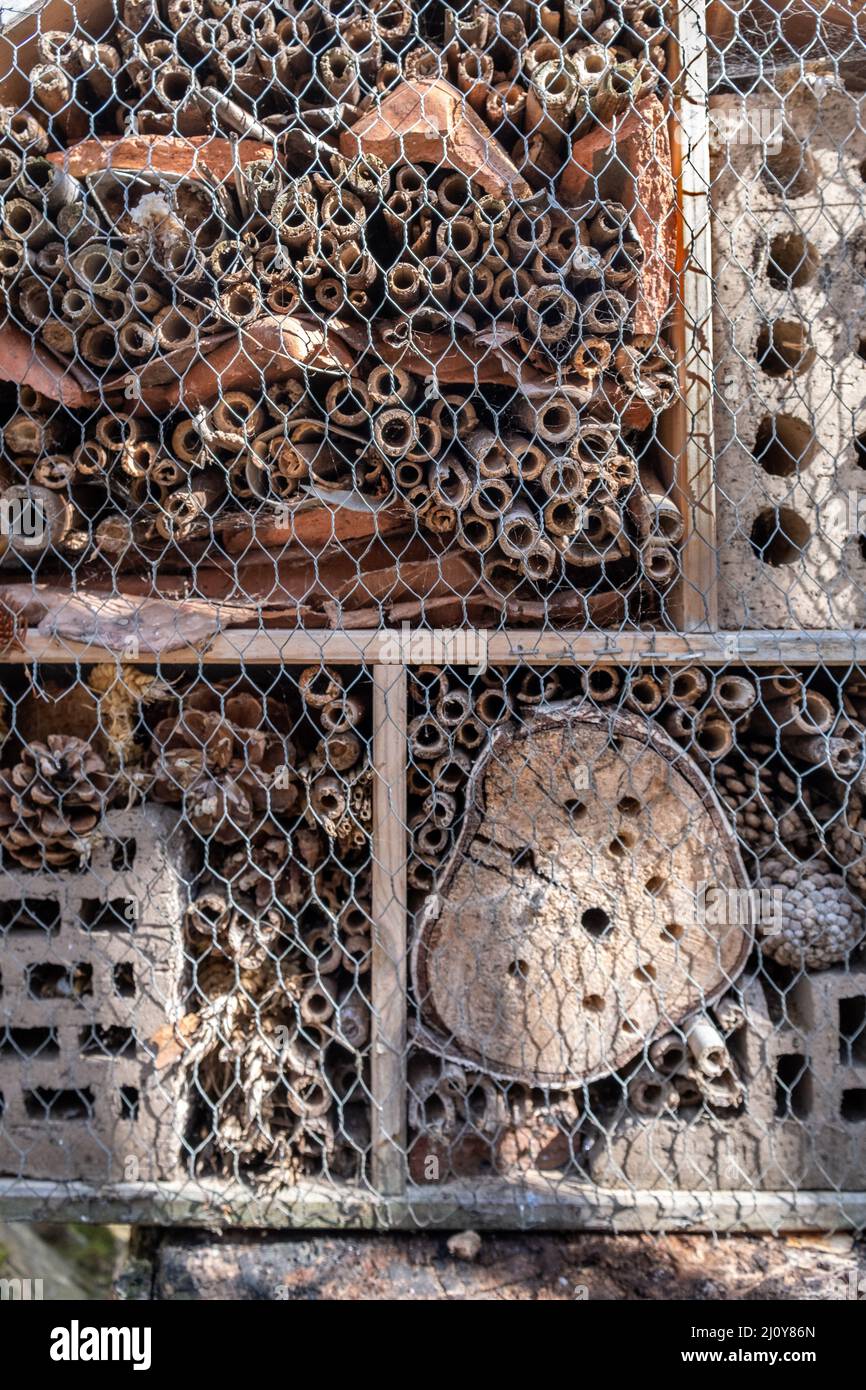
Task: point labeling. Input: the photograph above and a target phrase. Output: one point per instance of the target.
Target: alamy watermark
(436, 647)
(759, 125)
(23, 519)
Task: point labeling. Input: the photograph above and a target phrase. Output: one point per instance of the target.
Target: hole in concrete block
(853, 1107)
(852, 1030)
(124, 979)
(47, 1104)
(129, 1102)
(596, 921)
(793, 1087)
(784, 444)
(123, 855)
(49, 981)
(783, 346)
(791, 171)
(524, 858)
(117, 915)
(793, 261)
(30, 914)
(779, 536)
(28, 1042)
(106, 1041)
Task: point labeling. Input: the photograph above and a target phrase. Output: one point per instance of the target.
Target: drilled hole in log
(655, 884)
(628, 805)
(645, 974)
(793, 261)
(576, 809)
(518, 970)
(779, 536)
(594, 1003)
(596, 921)
(783, 346)
(629, 1027)
(673, 931)
(783, 444)
(860, 449)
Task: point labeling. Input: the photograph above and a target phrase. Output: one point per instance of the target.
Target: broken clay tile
(429, 120)
(632, 165)
(166, 154)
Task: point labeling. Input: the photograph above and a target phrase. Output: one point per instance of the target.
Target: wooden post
(390, 852)
(694, 445)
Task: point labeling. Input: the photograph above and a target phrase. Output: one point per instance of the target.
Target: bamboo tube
(458, 239)
(47, 186)
(680, 723)
(519, 531)
(819, 750)
(136, 342)
(602, 683)
(606, 312)
(707, 1047)
(540, 561)
(608, 225)
(394, 431)
(473, 286)
(505, 105)
(475, 533)
(562, 516)
(687, 687)
(621, 263)
(564, 477)
(472, 734)
(806, 714)
(734, 695)
(510, 291)
(527, 233)
(54, 471)
(554, 420)
(438, 275)
(455, 195)
(447, 480)
(651, 1095)
(475, 75)
(79, 309)
(391, 386)
(451, 771)
(91, 460)
(551, 100)
(713, 734)
(187, 505)
(406, 285)
(529, 460)
(668, 1054)
(13, 258)
(492, 499)
(667, 518)
(427, 738)
(550, 312)
(99, 346)
(59, 338)
(452, 707)
(319, 686)
(644, 693)
(26, 223)
(38, 520)
(659, 563)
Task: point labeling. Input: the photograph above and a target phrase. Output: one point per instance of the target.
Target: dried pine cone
(848, 845)
(52, 802)
(13, 625)
(820, 921)
(222, 757)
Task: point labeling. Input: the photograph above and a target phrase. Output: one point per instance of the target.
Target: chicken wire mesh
(395, 333)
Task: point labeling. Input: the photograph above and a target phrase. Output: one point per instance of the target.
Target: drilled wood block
(567, 930)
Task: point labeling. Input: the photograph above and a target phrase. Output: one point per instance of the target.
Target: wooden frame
(686, 435)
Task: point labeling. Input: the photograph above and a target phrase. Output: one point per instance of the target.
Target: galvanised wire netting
(434, 718)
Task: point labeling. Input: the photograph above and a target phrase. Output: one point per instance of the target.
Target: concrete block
(92, 965)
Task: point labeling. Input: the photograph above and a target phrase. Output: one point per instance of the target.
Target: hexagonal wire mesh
(327, 325)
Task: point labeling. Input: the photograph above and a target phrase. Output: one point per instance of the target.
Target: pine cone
(52, 803)
(848, 844)
(820, 921)
(224, 759)
(773, 815)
